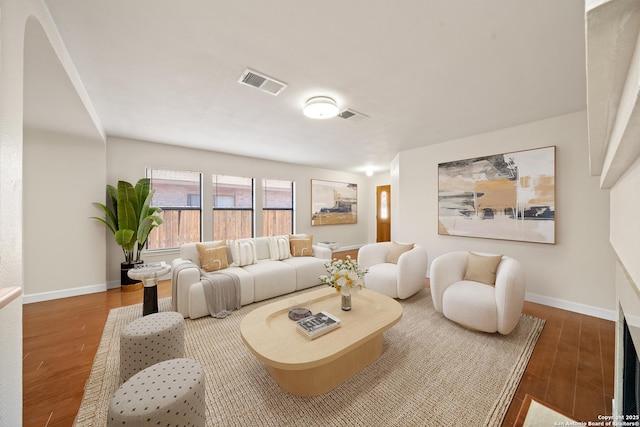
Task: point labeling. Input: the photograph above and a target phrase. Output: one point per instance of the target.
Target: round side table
(149, 276)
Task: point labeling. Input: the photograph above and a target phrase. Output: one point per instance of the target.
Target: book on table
(317, 324)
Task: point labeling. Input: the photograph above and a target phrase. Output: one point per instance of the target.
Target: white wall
(127, 160)
(11, 367)
(14, 15)
(65, 249)
(578, 271)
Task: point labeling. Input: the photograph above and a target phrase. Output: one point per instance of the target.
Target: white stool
(149, 340)
(169, 393)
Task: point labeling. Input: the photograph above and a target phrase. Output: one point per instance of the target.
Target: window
(179, 195)
(384, 204)
(232, 207)
(277, 213)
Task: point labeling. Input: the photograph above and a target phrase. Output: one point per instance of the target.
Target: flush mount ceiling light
(320, 107)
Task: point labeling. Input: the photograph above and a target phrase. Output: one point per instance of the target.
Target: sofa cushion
(279, 248)
(396, 250)
(472, 305)
(482, 268)
(213, 255)
(383, 278)
(301, 244)
(308, 270)
(271, 279)
(243, 252)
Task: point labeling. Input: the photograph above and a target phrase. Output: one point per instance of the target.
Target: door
(383, 213)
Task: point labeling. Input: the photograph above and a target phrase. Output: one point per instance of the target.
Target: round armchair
(458, 291)
(396, 270)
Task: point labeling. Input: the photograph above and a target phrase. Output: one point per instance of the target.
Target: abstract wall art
(333, 203)
(508, 196)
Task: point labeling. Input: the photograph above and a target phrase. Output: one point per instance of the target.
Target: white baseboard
(539, 299)
(64, 293)
(573, 306)
(74, 292)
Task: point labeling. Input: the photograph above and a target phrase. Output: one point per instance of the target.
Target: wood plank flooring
(60, 339)
(572, 367)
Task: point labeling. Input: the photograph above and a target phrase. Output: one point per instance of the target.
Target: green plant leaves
(130, 217)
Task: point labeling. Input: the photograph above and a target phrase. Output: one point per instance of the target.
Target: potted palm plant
(130, 217)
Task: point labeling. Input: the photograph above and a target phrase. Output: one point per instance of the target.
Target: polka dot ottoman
(149, 340)
(169, 393)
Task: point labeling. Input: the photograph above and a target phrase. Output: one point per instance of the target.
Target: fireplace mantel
(629, 298)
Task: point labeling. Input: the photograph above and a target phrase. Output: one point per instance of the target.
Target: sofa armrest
(184, 274)
(373, 253)
(321, 252)
(510, 290)
(412, 271)
(446, 270)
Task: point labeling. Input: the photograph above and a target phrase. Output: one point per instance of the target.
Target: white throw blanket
(221, 292)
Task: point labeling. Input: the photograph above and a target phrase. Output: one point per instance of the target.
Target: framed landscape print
(508, 196)
(333, 203)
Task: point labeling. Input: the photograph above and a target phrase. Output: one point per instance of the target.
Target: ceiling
(424, 72)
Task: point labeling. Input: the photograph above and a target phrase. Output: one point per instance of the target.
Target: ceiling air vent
(262, 82)
(352, 115)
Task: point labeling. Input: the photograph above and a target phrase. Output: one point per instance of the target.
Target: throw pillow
(279, 248)
(213, 256)
(482, 268)
(243, 252)
(301, 244)
(396, 250)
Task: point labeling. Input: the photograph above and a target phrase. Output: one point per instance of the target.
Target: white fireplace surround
(613, 109)
(629, 310)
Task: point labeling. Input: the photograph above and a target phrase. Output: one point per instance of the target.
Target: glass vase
(346, 299)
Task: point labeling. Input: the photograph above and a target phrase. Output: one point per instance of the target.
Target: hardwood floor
(572, 367)
(60, 339)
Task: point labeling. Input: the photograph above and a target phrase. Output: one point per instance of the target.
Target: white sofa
(263, 280)
(395, 276)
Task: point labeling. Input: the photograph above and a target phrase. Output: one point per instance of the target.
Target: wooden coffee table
(312, 367)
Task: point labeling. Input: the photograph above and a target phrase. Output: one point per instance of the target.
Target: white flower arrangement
(344, 274)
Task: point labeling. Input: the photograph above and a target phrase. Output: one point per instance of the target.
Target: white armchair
(399, 279)
(473, 304)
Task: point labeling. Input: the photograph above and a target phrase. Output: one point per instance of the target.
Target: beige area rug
(431, 373)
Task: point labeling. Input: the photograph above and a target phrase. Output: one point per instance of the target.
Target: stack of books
(317, 324)
(154, 266)
(331, 245)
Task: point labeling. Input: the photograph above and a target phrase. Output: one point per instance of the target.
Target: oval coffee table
(312, 367)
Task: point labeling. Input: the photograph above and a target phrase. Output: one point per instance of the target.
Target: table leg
(150, 298)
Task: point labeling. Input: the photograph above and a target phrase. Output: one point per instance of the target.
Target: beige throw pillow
(301, 244)
(213, 256)
(482, 268)
(243, 252)
(396, 250)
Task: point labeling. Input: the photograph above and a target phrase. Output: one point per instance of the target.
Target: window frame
(251, 209)
(188, 207)
(292, 208)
